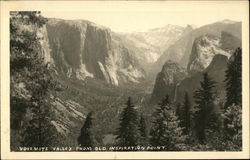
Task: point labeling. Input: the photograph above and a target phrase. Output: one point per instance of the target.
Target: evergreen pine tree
(233, 132)
(186, 121)
(39, 131)
(233, 89)
(143, 130)
(234, 79)
(179, 113)
(166, 130)
(128, 133)
(86, 138)
(31, 82)
(204, 98)
(157, 129)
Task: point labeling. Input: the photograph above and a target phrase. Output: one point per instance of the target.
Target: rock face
(207, 46)
(68, 115)
(215, 70)
(203, 51)
(209, 54)
(81, 49)
(228, 42)
(167, 80)
(180, 51)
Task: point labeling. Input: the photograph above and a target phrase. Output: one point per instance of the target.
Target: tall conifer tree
(233, 132)
(233, 93)
(186, 114)
(166, 130)
(128, 133)
(157, 130)
(143, 130)
(234, 79)
(204, 98)
(86, 138)
(179, 113)
(31, 82)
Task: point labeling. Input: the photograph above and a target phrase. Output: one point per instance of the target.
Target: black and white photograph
(127, 77)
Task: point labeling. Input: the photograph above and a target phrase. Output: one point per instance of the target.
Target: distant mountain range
(210, 54)
(153, 43)
(99, 68)
(81, 49)
(180, 51)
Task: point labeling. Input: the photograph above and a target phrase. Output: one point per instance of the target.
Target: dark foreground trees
(233, 132)
(86, 138)
(31, 84)
(232, 113)
(166, 130)
(204, 99)
(234, 79)
(183, 112)
(143, 131)
(226, 125)
(128, 133)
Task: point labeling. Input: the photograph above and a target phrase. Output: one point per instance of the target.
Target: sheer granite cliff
(181, 50)
(207, 46)
(167, 80)
(80, 49)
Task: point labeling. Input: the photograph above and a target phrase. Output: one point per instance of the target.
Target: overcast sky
(134, 16)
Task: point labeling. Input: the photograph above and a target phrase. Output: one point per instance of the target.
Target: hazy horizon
(148, 29)
(128, 17)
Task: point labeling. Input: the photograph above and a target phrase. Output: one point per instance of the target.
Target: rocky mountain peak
(204, 49)
(171, 70)
(216, 70)
(181, 50)
(166, 80)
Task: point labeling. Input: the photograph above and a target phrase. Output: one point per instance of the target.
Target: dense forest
(167, 126)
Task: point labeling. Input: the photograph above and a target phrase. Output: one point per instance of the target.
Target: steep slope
(209, 54)
(166, 81)
(106, 101)
(203, 50)
(229, 42)
(205, 47)
(181, 50)
(81, 49)
(215, 70)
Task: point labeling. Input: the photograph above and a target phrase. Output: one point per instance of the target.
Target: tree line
(182, 127)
